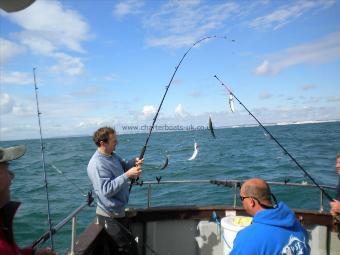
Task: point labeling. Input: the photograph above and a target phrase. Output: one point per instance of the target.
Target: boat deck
(188, 230)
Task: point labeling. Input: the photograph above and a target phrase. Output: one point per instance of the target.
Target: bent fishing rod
(141, 156)
(277, 142)
(43, 160)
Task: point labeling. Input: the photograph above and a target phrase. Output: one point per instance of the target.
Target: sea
(236, 153)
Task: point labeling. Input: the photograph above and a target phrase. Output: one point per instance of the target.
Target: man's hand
(335, 207)
(134, 172)
(45, 251)
(139, 162)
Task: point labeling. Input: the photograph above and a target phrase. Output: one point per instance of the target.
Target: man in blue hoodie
(274, 230)
(109, 175)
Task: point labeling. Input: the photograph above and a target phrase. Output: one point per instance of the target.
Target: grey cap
(11, 153)
(16, 5)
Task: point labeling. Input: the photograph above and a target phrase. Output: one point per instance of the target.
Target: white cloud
(93, 123)
(20, 109)
(325, 50)
(48, 20)
(6, 103)
(16, 107)
(149, 110)
(8, 50)
(287, 13)
(36, 43)
(16, 78)
(309, 86)
(175, 41)
(180, 111)
(196, 94)
(264, 95)
(49, 29)
(85, 91)
(179, 23)
(67, 64)
(111, 77)
(263, 68)
(129, 7)
(333, 99)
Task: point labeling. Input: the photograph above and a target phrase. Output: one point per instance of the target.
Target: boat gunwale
(161, 213)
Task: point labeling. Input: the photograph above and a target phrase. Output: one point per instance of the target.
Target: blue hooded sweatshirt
(109, 181)
(273, 231)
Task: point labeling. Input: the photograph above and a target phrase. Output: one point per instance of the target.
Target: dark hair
(337, 155)
(102, 135)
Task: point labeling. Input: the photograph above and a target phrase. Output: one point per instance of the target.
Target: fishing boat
(198, 230)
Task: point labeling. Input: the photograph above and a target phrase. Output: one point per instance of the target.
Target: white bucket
(231, 225)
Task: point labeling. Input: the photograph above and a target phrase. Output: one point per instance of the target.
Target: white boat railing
(233, 184)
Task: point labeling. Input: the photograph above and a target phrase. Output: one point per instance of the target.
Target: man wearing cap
(8, 208)
(274, 230)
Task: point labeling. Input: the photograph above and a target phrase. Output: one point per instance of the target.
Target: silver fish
(231, 103)
(194, 155)
(165, 163)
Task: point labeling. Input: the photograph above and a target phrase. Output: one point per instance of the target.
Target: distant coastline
(283, 123)
(121, 132)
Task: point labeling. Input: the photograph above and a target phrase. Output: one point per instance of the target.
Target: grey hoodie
(109, 181)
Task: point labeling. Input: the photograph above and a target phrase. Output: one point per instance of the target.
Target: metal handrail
(72, 216)
(233, 184)
(206, 181)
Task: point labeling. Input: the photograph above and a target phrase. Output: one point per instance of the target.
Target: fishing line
(141, 156)
(69, 180)
(43, 161)
(277, 142)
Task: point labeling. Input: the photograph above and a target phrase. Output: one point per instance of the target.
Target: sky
(107, 63)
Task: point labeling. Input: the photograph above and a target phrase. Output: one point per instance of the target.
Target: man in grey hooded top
(109, 175)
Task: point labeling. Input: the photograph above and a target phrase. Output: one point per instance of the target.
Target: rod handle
(43, 238)
(141, 156)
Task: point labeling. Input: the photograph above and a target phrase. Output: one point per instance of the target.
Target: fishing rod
(43, 160)
(277, 142)
(141, 156)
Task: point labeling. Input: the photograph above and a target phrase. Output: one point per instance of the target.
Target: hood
(280, 216)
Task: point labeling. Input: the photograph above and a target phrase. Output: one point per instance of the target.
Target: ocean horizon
(146, 131)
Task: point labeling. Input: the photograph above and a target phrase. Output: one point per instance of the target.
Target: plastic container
(231, 225)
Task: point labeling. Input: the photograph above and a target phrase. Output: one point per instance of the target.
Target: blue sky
(108, 62)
